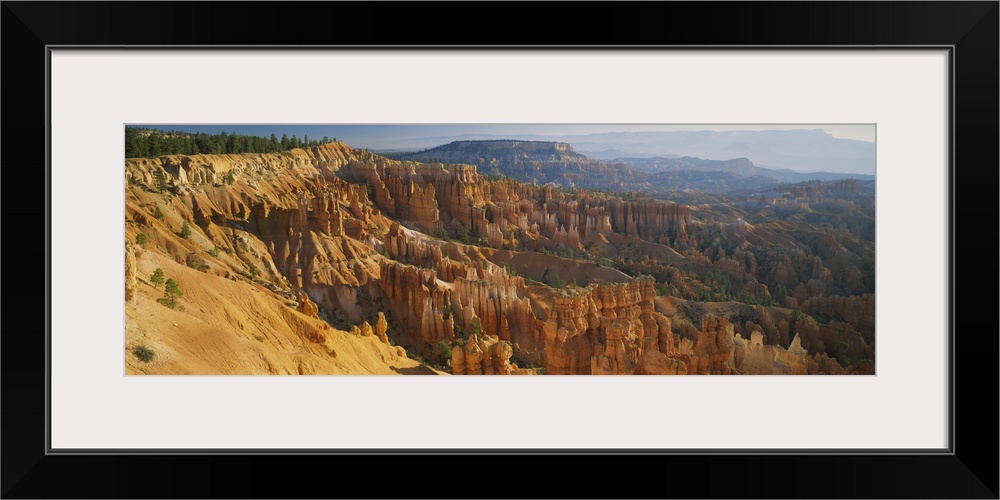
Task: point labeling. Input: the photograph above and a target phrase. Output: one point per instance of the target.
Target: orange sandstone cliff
(334, 260)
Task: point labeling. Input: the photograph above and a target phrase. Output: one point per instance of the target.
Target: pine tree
(204, 143)
(171, 292)
(153, 143)
(160, 176)
(185, 230)
(157, 277)
(131, 143)
(140, 239)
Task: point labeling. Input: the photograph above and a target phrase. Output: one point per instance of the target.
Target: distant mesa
(545, 162)
(502, 150)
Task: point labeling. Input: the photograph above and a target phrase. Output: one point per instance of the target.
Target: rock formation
(657, 363)
(554, 276)
(131, 281)
(857, 311)
(486, 356)
(713, 352)
(380, 328)
(604, 328)
(307, 306)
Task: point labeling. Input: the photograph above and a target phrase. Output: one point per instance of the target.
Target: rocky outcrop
(613, 356)
(657, 363)
(462, 196)
(774, 360)
(754, 358)
(604, 328)
(432, 305)
(322, 212)
(486, 356)
(381, 326)
(400, 189)
(570, 221)
(419, 302)
(537, 161)
(492, 296)
(218, 169)
(363, 330)
(835, 339)
(307, 306)
(131, 271)
(649, 219)
(857, 311)
(406, 248)
(713, 352)
(494, 236)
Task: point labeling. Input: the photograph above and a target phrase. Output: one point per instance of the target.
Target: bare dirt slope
(234, 327)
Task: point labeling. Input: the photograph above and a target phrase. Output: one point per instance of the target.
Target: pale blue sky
(806, 147)
(382, 136)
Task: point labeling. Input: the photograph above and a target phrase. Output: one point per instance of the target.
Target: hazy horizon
(843, 148)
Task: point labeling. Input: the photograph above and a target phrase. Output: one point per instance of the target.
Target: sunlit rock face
(508, 275)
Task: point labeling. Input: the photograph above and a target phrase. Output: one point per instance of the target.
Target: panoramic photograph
(488, 249)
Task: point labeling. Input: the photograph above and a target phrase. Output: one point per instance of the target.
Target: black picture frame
(968, 470)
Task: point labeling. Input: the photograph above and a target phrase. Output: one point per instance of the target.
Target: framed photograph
(299, 214)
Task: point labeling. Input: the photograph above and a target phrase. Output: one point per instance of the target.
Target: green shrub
(145, 354)
(557, 282)
(462, 234)
(214, 252)
(779, 294)
(185, 230)
(693, 312)
(841, 353)
(140, 239)
(442, 350)
(158, 213)
(797, 316)
(747, 298)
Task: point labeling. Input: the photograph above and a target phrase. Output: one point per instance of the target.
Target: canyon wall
(424, 255)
